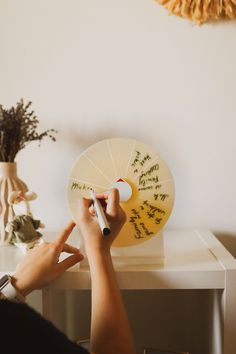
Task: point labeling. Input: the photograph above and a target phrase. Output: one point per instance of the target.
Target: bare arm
(110, 330)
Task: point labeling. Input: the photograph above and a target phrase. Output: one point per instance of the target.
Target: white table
(193, 260)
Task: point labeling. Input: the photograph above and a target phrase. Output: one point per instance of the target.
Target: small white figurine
(22, 228)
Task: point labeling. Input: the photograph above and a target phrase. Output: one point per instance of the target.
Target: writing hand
(93, 238)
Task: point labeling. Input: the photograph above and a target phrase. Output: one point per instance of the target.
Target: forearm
(110, 330)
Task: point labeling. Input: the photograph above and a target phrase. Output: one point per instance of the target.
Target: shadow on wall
(79, 139)
(82, 141)
(228, 240)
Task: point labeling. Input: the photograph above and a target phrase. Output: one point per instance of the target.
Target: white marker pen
(102, 220)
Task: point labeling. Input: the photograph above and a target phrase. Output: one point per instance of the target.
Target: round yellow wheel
(144, 181)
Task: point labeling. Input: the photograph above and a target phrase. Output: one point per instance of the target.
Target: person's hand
(40, 266)
(93, 238)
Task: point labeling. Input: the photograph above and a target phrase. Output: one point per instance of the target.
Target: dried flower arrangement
(18, 127)
(201, 11)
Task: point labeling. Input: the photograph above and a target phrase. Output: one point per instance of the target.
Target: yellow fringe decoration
(201, 11)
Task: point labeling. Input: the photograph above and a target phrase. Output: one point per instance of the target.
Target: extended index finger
(63, 236)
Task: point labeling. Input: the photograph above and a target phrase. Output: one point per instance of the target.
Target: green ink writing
(145, 159)
(161, 196)
(158, 221)
(152, 208)
(136, 159)
(145, 229)
(145, 188)
(76, 185)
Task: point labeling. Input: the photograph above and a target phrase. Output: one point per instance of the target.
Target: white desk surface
(194, 259)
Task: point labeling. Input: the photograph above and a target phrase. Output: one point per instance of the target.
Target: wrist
(93, 252)
(20, 286)
(98, 255)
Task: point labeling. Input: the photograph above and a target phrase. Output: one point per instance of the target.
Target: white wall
(104, 68)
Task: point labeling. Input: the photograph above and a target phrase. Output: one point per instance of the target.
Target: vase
(8, 182)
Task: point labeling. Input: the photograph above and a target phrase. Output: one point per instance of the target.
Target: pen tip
(106, 231)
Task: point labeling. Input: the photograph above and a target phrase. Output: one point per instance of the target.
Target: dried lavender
(18, 127)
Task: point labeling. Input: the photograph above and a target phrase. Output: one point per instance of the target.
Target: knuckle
(53, 248)
(46, 246)
(115, 194)
(114, 191)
